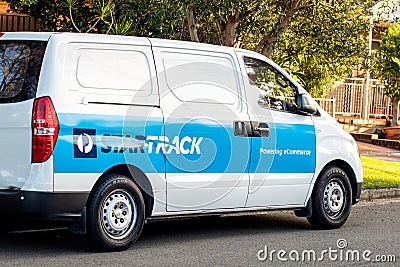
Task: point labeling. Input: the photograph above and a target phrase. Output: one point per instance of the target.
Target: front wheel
(331, 199)
(116, 213)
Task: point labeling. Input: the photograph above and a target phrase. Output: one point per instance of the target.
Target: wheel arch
(138, 177)
(350, 174)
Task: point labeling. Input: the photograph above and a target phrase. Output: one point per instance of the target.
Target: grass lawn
(380, 173)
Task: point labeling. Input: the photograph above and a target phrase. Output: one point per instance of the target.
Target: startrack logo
(84, 147)
(151, 144)
(85, 143)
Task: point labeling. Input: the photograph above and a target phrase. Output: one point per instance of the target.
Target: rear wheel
(331, 199)
(116, 213)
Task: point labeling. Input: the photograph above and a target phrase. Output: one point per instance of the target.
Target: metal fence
(11, 22)
(329, 105)
(349, 94)
(379, 104)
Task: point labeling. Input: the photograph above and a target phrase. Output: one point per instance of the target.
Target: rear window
(20, 64)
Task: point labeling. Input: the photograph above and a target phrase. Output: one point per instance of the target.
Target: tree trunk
(395, 106)
(267, 45)
(192, 25)
(228, 27)
(228, 33)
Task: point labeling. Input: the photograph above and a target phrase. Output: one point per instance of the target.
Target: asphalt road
(227, 240)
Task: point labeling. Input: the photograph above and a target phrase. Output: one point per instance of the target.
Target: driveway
(379, 152)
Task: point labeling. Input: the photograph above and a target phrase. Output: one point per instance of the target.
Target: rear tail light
(44, 129)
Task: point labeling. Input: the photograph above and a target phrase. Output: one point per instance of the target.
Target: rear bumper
(27, 205)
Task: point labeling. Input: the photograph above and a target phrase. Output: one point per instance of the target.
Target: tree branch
(72, 18)
(191, 24)
(267, 44)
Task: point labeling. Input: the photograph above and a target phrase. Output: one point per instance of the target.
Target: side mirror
(305, 105)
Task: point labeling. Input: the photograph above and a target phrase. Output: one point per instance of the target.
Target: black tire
(116, 213)
(331, 199)
(5, 228)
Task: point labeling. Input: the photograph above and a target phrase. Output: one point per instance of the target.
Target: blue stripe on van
(193, 147)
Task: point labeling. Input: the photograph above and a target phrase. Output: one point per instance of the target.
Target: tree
(386, 66)
(322, 43)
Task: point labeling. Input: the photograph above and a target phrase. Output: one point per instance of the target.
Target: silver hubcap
(118, 214)
(333, 198)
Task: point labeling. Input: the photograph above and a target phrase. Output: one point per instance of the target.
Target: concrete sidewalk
(378, 152)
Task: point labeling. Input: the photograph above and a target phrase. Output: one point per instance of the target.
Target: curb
(371, 194)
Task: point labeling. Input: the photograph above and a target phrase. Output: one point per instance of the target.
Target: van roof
(36, 36)
(90, 37)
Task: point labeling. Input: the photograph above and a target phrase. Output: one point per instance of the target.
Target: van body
(109, 131)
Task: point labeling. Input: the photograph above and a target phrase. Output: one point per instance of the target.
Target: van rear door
(20, 64)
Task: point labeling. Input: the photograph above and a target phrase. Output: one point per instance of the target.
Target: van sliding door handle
(260, 129)
(251, 129)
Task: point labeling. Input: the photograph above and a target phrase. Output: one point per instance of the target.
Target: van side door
(201, 98)
(283, 141)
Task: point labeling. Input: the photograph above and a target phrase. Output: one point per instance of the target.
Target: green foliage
(72, 15)
(322, 43)
(152, 18)
(386, 65)
(123, 26)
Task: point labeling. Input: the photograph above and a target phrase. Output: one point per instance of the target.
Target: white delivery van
(107, 132)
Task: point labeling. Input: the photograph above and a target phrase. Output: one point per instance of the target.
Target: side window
(275, 90)
(203, 78)
(20, 64)
(113, 69)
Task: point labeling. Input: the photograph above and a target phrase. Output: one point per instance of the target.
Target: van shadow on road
(156, 233)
